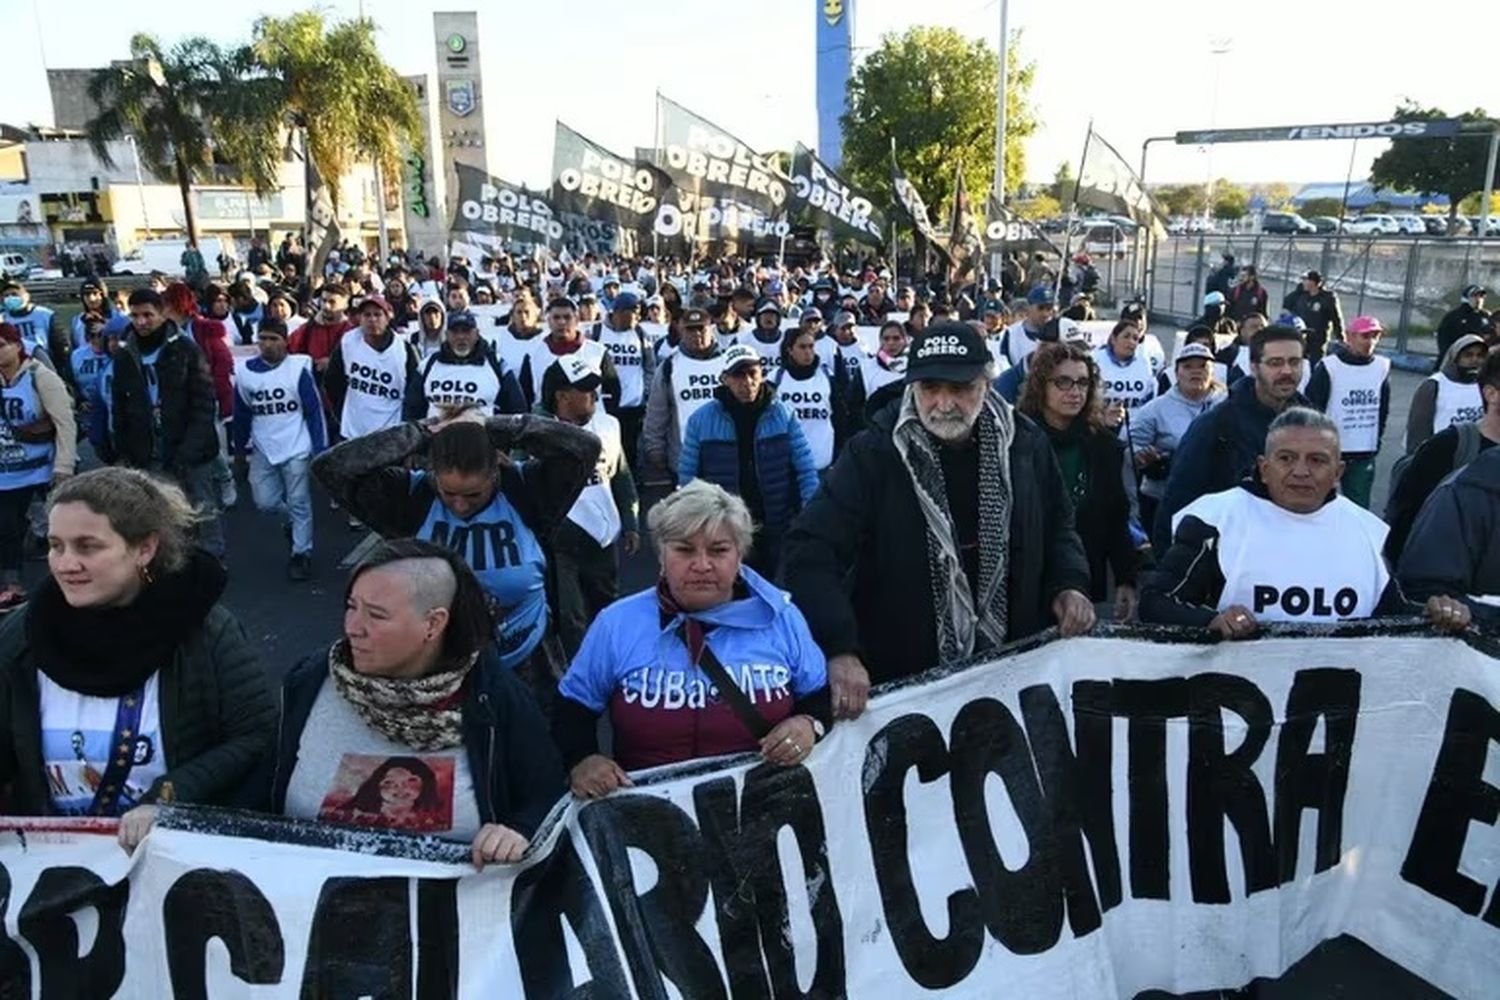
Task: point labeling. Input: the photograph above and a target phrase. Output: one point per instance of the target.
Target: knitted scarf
(961, 621)
(424, 713)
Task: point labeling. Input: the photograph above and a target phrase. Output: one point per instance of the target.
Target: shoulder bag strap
(728, 689)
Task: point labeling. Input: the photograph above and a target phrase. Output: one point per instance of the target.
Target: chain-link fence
(1407, 283)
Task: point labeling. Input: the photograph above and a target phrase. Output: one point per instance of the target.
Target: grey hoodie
(1424, 401)
(1161, 423)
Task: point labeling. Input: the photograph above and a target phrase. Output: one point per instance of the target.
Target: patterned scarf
(424, 713)
(961, 621)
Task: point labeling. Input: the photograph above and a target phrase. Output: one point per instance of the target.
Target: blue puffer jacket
(783, 462)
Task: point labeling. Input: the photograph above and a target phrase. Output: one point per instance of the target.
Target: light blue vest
(507, 558)
(35, 328)
(22, 463)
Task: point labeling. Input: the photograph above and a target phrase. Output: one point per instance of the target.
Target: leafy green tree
(1230, 201)
(1042, 206)
(326, 87)
(1182, 199)
(157, 98)
(1064, 184)
(1321, 206)
(1470, 205)
(1278, 196)
(932, 91)
(1453, 166)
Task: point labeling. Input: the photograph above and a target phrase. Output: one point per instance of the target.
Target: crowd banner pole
(1083, 161)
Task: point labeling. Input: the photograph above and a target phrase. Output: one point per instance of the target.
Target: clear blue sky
(1136, 69)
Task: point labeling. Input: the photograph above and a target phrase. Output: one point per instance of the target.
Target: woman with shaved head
(409, 722)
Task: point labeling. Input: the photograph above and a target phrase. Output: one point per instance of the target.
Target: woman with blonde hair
(124, 681)
(714, 659)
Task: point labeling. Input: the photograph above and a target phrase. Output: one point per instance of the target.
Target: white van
(166, 256)
(14, 265)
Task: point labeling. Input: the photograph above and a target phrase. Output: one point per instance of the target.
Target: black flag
(820, 196)
(913, 207)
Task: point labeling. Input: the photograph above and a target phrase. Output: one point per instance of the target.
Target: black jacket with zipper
(189, 407)
(516, 770)
(1102, 514)
(856, 559)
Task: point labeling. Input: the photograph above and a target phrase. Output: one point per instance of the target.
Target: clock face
(456, 42)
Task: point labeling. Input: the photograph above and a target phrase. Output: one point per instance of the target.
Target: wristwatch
(819, 730)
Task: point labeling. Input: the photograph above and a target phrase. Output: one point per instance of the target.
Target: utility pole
(999, 188)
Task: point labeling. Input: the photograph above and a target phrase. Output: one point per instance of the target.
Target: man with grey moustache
(929, 505)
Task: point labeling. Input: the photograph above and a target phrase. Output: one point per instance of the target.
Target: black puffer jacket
(856, 559)
(189, 406)
(218, 711)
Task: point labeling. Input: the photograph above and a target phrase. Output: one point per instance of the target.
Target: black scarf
(796, 371)
(109, 652)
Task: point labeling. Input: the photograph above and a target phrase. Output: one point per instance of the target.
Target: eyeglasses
(1064, 384)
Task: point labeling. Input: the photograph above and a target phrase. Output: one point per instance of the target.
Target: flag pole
(1073, 212)
(656, 156)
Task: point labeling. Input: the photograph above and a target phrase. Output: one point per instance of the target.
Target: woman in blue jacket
(643, 660)
(409, 722)
(750, 444)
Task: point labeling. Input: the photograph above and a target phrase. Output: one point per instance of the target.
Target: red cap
(376, 300)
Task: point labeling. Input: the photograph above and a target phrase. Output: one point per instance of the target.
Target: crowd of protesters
(848, 478)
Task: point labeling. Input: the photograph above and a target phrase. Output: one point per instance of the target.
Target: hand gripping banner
(1095, 817)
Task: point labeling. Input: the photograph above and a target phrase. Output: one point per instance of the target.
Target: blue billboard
(835, 39)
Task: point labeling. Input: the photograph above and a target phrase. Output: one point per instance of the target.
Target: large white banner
(1088, 818)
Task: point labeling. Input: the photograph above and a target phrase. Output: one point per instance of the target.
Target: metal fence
(1407, 283)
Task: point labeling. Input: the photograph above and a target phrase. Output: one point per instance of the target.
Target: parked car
(1286, 223)
(1492, 228)
(1324, 223)
(1105, 241)
(1410, 225)
(1437, 225)
(1373, 225)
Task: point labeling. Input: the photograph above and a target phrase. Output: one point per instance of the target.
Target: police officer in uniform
(1281, 547)
(685, 381)
(1318, 308)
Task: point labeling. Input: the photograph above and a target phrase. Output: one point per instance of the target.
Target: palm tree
(320, 91)
(155, 99)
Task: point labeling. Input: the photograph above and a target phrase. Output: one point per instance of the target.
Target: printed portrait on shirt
(399, 793)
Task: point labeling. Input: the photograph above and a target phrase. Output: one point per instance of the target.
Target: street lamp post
(1218, 48)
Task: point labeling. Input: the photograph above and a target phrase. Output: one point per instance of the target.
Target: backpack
(1469, 443)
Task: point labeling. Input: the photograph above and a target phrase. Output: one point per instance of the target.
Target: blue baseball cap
(625, 300)
(1041, 296)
